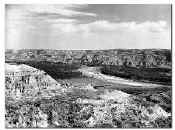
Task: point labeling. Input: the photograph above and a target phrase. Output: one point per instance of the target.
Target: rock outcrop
(36, 100)
(86, 108)
(120, 110)
(130, 57)
(23, 81)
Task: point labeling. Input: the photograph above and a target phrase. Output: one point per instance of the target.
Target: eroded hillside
(36, 100)
(132, 57)
(23, 81)
(149, 65)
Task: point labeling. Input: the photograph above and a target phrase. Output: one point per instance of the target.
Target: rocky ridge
(129, 57)
(23, 81)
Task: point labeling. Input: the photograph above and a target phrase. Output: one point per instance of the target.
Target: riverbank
(155, 75)
(95, 73)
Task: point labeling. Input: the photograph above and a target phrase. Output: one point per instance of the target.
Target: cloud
(49, 10)
(50, 14)
(106, 26)
(61, 21)
(127, 26)
(107, 35)
(52, 26)
(65, 10)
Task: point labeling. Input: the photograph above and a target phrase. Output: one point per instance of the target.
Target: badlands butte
(114, 88)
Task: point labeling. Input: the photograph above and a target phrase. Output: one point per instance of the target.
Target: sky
(92, 26)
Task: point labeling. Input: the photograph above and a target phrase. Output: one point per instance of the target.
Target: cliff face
(25, 81)
(131, 57)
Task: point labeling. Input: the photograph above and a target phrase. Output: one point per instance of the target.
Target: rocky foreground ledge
(36, 100)
(23, 81)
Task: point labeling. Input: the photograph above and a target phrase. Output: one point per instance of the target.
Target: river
(93, 76)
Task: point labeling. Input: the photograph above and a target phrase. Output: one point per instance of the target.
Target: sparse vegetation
(82, 105)
(64, 112)
(56, 70)
(154, 75)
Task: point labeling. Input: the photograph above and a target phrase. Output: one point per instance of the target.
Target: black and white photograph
(88, 66)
